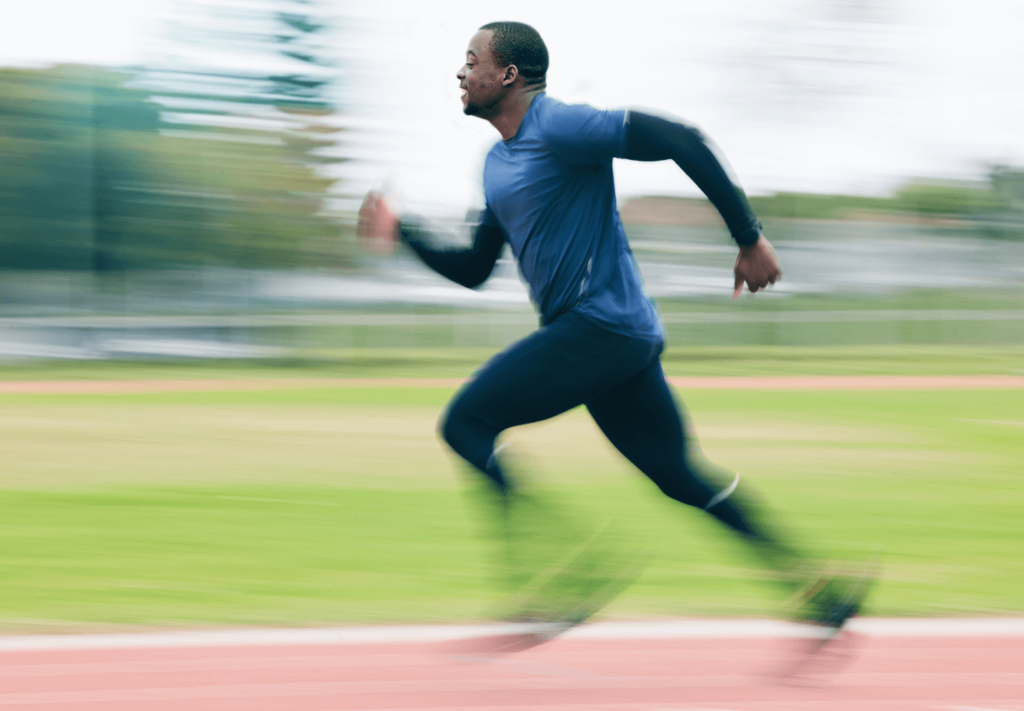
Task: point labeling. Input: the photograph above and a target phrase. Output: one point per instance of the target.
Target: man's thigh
(551, 371)
(642, 419)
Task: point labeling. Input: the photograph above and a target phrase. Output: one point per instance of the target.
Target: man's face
(481, 78)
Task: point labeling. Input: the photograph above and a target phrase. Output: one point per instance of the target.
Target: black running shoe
(827, 602)
(575, 588)
(558, 599)
(833, 596)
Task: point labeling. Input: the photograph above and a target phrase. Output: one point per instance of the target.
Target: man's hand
(757, 265)
(378, 224)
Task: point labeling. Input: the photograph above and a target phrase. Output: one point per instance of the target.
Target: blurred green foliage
(939, 198)
(97, 178)
(813, 206)
(996, 205)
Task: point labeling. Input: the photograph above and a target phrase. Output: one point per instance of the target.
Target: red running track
(888, 673)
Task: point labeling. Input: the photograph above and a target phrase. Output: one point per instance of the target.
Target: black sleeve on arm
(651, 138)
(468, 266)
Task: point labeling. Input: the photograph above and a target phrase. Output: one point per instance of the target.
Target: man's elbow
(474, 281)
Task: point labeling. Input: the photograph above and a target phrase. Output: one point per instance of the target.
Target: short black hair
(519, 44)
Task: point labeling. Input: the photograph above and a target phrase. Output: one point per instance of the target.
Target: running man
(550, 196)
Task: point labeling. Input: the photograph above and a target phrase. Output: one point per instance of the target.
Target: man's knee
(463, 431)
(448, 427)
(473, 439)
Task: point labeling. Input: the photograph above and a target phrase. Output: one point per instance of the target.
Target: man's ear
(511, 74)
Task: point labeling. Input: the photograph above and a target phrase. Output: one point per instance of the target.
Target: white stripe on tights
(723, 494)
(494, 454)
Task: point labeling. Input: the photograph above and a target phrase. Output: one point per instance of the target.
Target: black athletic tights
(619, 378)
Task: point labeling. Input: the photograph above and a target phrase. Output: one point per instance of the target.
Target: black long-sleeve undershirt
(468, 266)
(649, 138)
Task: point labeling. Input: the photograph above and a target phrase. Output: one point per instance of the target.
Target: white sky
(815, 95)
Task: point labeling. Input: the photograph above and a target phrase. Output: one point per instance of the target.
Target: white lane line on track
(664, 629)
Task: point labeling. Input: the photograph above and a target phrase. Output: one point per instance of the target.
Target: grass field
(336, 505)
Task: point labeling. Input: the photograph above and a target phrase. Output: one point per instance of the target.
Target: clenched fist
(378, 224)
(757, 266)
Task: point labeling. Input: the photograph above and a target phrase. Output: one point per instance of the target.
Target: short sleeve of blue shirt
(582, 135)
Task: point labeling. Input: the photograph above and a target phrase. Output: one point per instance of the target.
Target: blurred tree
(108, 171)
(817, 206)
(296, 34)
(1005, 218)
(1008, 184)
(938, 198)
(256, 73)
(68, 139)
(996, 206)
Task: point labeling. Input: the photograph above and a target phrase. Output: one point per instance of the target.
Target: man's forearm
(651, 138)
(468, 266)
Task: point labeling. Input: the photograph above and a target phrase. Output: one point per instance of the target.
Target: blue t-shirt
(551, 189)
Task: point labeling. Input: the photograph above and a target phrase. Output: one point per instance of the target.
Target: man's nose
(461, 74)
